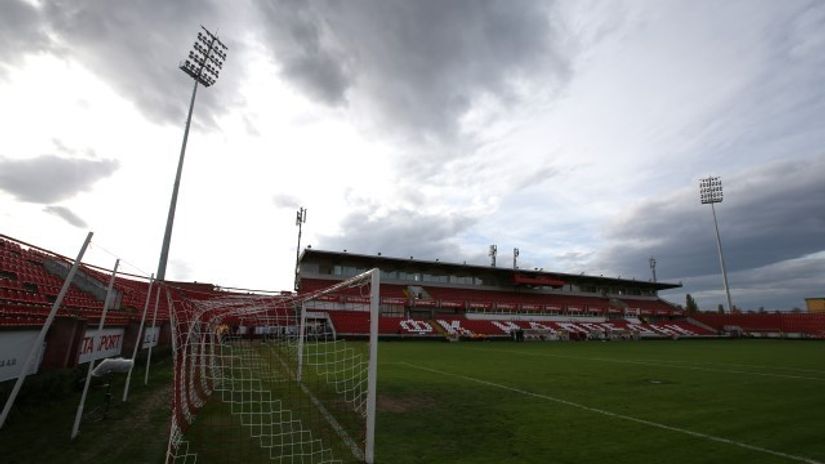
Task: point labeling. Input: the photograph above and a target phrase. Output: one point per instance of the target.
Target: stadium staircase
(438, 328)
(701, 324)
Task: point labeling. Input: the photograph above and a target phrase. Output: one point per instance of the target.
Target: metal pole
(138, 339)
(300, 219)
(154, 324)
(170, 220)
(297, 255)
(106, 302)
(38, 342)
(301, 332)
(372, 369)
(721, 259)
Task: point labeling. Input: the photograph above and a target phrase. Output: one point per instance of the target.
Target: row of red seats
(21, 296)
(813, 324)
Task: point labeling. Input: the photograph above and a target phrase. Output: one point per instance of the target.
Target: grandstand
(30, 279)
(433, 299)
(419, 300)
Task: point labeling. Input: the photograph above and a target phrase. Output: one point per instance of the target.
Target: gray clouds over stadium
(575, 131)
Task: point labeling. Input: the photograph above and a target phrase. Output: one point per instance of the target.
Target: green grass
(768, 394)
(533, 402)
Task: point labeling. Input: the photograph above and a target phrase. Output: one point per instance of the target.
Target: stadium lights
(203, 65)
(710, 192)
(515, 258)
(300, 220)
(492, 254)
(653, 267)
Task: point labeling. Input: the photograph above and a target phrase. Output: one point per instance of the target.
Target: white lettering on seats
(454, 327)
(506, 326)
(539, 326)
(570, 327)
(417, 327)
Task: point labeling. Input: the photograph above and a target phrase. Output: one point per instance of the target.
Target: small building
(815, 305)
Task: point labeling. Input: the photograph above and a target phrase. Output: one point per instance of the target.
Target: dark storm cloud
(294, 31)
(772, 213)
(771, 216)
(66, 214)
(400, 233)
(418, 65)
(781, 285)
(135, 46)
(49, 178)
(415, 67)
(20, 29)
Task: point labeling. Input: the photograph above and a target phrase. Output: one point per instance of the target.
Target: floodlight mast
(710, 192)
(203, 65)
(300, 220)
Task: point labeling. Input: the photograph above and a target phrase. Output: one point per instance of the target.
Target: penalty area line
(604, 412)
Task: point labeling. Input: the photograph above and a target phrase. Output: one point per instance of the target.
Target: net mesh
(252, 383)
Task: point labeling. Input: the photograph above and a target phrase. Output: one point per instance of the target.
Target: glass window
(389, 275)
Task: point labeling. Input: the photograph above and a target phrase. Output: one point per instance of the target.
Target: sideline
(617, 415)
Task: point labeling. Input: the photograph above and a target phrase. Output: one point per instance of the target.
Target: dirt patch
(399, 404)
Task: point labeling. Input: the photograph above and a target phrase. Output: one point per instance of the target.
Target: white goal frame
(189, 318)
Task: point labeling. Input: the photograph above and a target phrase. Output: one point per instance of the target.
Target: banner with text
(103, 344)
(15, 346)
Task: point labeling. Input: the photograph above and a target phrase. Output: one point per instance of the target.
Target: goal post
(267, 379)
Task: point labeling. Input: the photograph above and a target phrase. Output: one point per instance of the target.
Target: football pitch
(686, 401)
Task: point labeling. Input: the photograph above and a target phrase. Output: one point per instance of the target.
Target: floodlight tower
(300, 220)
(492, 254)
(515, 258)
(710, 192)
(203, 65)
(653, 267)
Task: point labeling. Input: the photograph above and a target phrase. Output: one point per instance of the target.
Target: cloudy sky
(576, 131)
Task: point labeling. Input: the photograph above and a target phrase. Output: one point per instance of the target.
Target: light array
(710, 190)
(206, 58)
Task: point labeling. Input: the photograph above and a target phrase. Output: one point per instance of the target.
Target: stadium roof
(528, 273)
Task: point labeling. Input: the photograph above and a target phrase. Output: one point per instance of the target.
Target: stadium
(514, 332)
(421, 135)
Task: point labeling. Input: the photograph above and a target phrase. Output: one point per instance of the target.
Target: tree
(690, 305)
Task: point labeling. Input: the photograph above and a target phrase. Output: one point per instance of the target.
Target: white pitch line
(656, 364)
(619, 416)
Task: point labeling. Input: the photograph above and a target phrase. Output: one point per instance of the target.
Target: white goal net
(264, 379)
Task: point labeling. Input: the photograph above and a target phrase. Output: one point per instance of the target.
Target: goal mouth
(266, 379)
